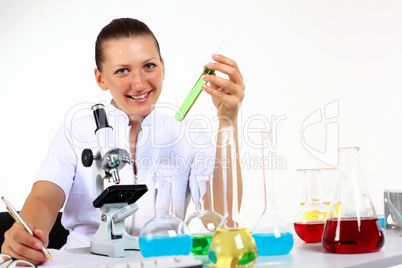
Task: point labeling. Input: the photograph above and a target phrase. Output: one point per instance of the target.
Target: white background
(296, 58)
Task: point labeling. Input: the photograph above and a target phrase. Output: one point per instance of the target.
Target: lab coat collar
(149, 120)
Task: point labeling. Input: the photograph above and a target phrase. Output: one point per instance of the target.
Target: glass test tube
(196, 91)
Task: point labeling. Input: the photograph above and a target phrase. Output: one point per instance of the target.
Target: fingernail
(215, 56)
(210, 65)
(37, 246)
(205, 77)
(204, 87)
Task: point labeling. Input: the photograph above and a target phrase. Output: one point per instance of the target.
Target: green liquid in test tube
(196, 91)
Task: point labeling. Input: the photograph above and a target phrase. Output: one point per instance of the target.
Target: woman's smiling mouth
(140, 98)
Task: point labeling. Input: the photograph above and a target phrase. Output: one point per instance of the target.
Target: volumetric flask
(271, 234)
(204, 221)
(352, 225)
(310, 219)
(232, 244)
(164, 234)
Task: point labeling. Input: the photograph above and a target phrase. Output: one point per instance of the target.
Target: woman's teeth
(140, 96)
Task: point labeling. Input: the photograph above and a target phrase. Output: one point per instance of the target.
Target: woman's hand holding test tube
(227, 94)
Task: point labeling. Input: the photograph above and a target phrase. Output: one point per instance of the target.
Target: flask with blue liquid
(165, 234)
(271, 234)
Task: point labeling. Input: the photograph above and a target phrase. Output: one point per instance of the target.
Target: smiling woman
(130, 67)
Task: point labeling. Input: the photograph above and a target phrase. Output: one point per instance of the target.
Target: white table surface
(302, 256)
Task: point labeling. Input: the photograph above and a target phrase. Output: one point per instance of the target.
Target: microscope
(116, 202)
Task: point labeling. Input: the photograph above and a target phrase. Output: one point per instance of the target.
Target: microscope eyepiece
(100, 116)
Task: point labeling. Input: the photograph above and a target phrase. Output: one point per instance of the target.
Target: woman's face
(133, 73)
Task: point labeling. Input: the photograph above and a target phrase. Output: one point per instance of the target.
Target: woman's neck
(135, 121)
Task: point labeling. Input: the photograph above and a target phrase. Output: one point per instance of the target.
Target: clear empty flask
(204, 221)
(352, 225)
(271, 234)
(232, 244)
(164, 234)
(310, 219)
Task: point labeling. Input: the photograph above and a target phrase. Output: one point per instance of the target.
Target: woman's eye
(121, 71)
(149, 66)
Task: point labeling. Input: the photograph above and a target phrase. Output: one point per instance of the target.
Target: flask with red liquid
(352, 225)
(310, 219)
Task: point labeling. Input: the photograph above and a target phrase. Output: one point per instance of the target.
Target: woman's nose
(137, 81)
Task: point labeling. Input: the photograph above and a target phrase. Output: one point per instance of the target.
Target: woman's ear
(163, 68)
(99, 80)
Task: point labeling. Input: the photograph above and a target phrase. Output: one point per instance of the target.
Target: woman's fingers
(230, 101)
(224, 85)
(21, 245)
(227, 92)
(227, 66)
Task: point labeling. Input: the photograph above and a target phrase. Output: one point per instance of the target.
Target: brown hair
(121, 28)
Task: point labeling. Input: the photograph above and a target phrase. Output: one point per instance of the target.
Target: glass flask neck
(312, 186)
(349, 159)
(231, 205)
(205, 193)
(268, 173)
(164, 193)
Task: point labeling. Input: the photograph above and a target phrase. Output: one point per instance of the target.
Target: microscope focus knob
(87, 157)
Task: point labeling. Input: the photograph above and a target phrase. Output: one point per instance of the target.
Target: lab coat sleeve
(60, 163)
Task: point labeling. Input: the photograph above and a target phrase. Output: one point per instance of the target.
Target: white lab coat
(162, 139)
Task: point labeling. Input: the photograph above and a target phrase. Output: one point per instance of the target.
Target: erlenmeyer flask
(164, 234)
(203, 222)
(232, 244)
(352, 225)
(310, 219)
(271, 234)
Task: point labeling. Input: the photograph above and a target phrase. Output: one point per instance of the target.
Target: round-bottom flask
(232, 247)
(271, 234)
(203, 222)
(164, 234)
(310, 219)
(232, 244)
(352, 225)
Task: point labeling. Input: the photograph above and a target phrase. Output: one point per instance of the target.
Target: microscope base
(114, 248)
(111, 238)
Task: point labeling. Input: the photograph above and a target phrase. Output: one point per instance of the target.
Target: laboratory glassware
(310, 219)
(271, 234)
(352, 225)
(327, 184)
(232, 244)
(164, 234)
(393, 212)
(203, 222)
(196, 90)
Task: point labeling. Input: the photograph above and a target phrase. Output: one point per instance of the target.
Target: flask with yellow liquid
(232, 245)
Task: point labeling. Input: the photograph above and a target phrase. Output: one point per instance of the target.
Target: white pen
(19, 220)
